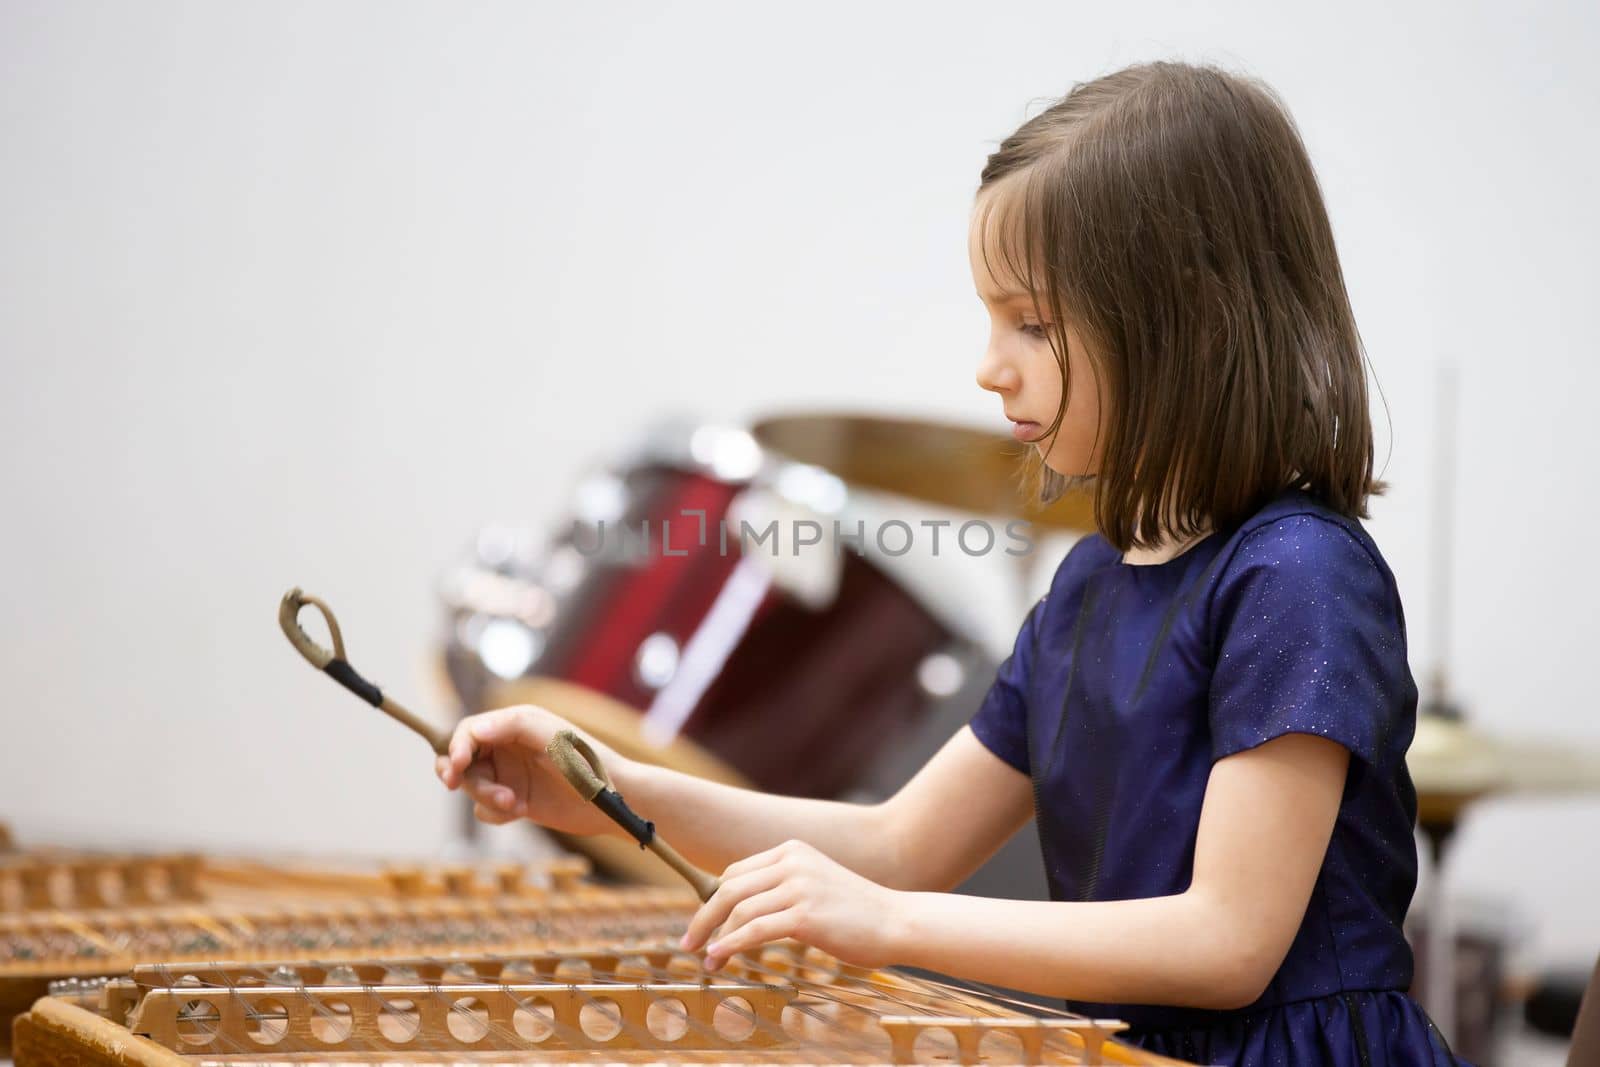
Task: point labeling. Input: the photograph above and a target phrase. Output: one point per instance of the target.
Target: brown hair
(1172, 212)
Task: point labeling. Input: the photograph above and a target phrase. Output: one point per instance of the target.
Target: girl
(1208, 712)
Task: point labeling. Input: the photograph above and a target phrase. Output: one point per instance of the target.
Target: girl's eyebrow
(1006, 297)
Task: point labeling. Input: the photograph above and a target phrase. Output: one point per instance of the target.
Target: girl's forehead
(994, 247)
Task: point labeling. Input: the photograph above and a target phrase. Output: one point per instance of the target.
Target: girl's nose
(996, 375)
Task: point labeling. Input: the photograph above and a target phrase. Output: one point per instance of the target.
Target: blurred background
(313, 294)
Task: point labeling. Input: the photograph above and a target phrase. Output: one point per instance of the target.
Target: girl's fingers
(460, 756)
(479, 733)
(503, 726)
(483, 789)
(728, 896)
(491, 816)
(754, 862)
(514, 774)
(480, 784)
(754, 934)
(778, 898)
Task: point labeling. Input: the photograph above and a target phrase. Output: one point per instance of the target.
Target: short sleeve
(1001, 721)
(1309, 638)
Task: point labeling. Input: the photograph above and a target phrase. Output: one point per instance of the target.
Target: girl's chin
(1073, 468)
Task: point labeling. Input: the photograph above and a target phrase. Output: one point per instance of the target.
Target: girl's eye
(1034, 329)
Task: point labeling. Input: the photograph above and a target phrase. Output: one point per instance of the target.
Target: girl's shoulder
(1296, 550)
(1302, 533)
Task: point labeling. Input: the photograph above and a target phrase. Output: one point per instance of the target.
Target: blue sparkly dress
(1127, 683)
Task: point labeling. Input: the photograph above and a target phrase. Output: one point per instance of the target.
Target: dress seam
(1327, 917)
(1358, 1030)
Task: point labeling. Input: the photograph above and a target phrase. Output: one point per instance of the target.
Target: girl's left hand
(795, 891)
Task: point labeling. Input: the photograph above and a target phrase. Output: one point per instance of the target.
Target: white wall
(300, 293)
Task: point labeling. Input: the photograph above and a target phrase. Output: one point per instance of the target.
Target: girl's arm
(942, 825)
(1264, 828)
(954, 814)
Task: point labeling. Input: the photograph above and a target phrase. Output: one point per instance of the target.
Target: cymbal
(941, 463)
(1453, 764)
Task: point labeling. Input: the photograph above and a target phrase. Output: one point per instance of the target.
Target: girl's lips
(1024, 431)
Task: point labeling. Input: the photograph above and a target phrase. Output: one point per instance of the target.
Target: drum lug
(656, 661)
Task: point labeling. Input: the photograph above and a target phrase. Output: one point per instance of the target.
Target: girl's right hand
(499, 758)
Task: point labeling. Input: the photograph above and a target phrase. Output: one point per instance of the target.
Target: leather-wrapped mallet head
(289, 619)
(581, 766)
(336, 666)
(578, 763)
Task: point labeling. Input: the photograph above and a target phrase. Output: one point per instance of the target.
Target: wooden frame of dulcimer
(634, 1003)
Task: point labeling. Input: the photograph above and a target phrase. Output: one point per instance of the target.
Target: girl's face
(1020, 368)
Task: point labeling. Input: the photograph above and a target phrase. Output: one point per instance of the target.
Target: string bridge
(722, 1016)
